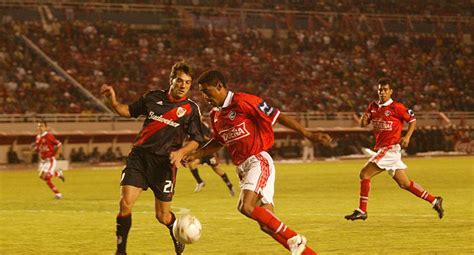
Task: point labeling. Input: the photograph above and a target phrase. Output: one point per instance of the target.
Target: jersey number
(168, 188)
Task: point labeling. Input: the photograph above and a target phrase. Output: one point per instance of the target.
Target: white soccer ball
(187, 229)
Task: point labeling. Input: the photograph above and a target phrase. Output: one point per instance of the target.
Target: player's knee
(404, 185)
(125, 206)
(246, 209)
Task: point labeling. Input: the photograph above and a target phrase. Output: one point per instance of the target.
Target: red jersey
(244, 124)
(387, 120)
(45, 145)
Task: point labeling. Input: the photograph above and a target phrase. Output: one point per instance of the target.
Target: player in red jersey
(387, 118)
(170, 119)
(244, 124)
(49, 148)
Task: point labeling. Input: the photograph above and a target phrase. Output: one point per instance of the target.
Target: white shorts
(47, 165)
(257, 173)
(389, 158)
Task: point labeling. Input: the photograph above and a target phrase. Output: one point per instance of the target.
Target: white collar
(228, 99)
(44, 133)
(386, 103)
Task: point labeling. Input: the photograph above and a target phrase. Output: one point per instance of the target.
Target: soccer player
(157, 151)
(243, 123)
(213, 162)
(387, 118)
(49, 148)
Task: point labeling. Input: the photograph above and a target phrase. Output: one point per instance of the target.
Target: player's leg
(259, 206)
(368, 171)
(162, 180)
(47, 172)
(404, 182)
(128, 195)
(195, 172)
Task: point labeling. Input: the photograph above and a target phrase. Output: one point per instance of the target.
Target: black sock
(123, 226)
(226, 180)
(196, 175)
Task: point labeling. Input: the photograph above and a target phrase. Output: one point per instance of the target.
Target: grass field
(310, 198)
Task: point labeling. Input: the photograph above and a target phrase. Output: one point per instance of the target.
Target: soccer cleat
(438, 207)
(356, 215)
(178, 246)
(199, 186)
(297, 244)
(61, 176)
(58, 196)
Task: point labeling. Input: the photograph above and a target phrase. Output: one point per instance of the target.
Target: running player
(157, 151)
(49, 148)
(243, 123)
(387, 118)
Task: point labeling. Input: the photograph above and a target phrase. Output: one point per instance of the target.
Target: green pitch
(310, 198)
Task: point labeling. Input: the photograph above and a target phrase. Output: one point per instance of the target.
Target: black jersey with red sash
(168, 122)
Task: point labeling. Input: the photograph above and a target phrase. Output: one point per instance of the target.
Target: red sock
(364, 194)
(51, 185)
(281, 232)
(418, 191)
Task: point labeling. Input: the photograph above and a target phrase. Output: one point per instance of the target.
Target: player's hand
(404, 141)
(364, 119)
(189, 158)
(176, 157)
(323, 138)
(107, 91)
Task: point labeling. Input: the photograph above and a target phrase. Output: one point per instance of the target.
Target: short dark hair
(183, 67)
(385, 81)
(211, 77)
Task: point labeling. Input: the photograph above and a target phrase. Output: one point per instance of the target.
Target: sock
(51, 185)
(124, 223)
(268, 219)
(364, 194)
(226, 180)
(418, 191)
(196, 175)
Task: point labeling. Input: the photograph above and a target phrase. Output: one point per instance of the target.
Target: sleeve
(53, 140)
(215, 133)
(260, 110)
(368, 111)
(405, 114)
(138, 107)
(194, 129)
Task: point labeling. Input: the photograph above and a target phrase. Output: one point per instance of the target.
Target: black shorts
(211, 160)
(145, 170)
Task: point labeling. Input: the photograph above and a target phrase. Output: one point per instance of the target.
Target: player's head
(213, 86)
(42, 126)
(181, 78)
(385, 89)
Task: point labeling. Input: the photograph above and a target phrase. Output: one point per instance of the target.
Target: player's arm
(209, 148)
(177, 156)
(109, 93)
(405, 140)
(58, 149)
(292, 124)
(365, 119)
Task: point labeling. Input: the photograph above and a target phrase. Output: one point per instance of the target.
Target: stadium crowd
(434, 71)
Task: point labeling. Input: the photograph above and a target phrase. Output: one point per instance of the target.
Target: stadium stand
(279, 51)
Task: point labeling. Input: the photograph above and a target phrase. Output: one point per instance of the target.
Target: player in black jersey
(210, 160)
(170, 118)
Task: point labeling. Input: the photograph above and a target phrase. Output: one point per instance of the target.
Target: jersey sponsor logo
(234, 133)
(160, 118)
(265, 108)
(232, 115)
(180, 112)
(381, 125)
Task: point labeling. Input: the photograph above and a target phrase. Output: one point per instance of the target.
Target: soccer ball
(187, 229)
